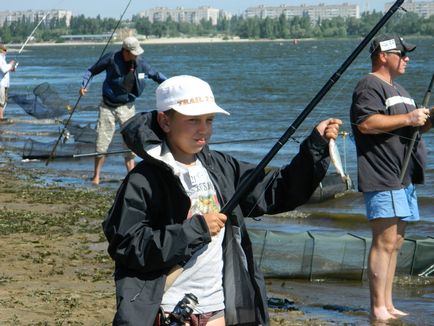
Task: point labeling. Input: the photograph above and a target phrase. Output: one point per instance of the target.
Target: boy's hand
(215, 222)
(329, 128)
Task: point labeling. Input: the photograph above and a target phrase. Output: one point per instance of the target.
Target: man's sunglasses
(402, 54)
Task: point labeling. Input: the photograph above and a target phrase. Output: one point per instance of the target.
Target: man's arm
(97, 68)
(380, 123)
(85, 82)
(156, 76)
(6, 67)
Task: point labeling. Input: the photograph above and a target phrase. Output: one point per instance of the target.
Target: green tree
(283, 29)
(267, 28)
(142, 25)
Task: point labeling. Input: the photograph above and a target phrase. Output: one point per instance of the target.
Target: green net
(322, 255)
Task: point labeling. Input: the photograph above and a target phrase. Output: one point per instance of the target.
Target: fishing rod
(123, 151)
(30, 37)
(96, 153)
(87, 83)
(415, 132)
(245, 185)
(31, 34)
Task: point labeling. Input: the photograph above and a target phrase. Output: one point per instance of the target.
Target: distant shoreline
(162, 40)
(13, 47)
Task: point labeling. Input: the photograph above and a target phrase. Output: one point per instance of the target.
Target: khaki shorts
(3, 96)
(106, 125)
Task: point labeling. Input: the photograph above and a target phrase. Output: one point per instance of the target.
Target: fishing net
(315, 255)
(83, 134)
(77, 141)
(43, 103)
(34, 149)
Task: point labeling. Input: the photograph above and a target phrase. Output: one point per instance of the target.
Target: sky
(114, 8)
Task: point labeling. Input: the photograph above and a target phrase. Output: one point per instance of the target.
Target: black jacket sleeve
(284, 189)
(146, 226)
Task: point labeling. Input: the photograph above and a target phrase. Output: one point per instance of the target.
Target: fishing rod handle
(427, 96)
(415, 132)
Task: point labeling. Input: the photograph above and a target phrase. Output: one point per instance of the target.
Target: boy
(166, 212)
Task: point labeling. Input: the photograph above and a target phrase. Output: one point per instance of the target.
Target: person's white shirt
(5, 68)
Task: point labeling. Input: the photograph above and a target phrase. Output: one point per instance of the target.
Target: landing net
(40, 150)
(43, 103)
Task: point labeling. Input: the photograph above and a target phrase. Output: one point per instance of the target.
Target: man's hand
(83, 91)
(215, 222)
(329, 128)
(13, 64)
(431, 116)
(418, 117)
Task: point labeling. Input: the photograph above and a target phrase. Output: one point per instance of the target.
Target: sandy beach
(13, 47)
(55, 269)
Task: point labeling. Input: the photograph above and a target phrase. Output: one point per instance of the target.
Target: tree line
(237, 26)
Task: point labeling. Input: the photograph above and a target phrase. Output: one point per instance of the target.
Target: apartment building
(180, 14)
(314, 12)
(34, 15)
(424, 9)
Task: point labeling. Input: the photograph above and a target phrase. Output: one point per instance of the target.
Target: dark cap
(2, 47)
(390, 42)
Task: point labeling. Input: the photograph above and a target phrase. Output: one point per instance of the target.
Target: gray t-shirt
(380, 157)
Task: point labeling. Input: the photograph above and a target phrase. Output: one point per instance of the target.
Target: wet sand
(55, 269)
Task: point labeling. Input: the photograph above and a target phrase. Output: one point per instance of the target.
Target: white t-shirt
(4, 71)
(203, 273)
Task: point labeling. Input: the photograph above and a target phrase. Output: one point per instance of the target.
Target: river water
(264, 85)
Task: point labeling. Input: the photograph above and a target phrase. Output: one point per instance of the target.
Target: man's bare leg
(392, 269)
(383, 244)
(1, 112)
(99, 161)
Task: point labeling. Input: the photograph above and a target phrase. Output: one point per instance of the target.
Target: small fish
(335, 157)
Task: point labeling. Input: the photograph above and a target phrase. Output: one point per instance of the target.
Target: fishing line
(416, 131)
(240, 191)
(332, 100)
(85, 86)
(34, 30)
(31, 34)
(246, 183)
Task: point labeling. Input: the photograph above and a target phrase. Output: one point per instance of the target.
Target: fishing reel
(182, 311)
(66, 136)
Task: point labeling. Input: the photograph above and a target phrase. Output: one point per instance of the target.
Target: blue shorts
(400, 203)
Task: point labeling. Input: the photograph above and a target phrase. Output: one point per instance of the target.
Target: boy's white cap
(188, 95)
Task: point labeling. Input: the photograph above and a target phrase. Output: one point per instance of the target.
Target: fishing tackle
(53, 151)
(29, 38)
(415, 132)
(31, 34)
(245, 185)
